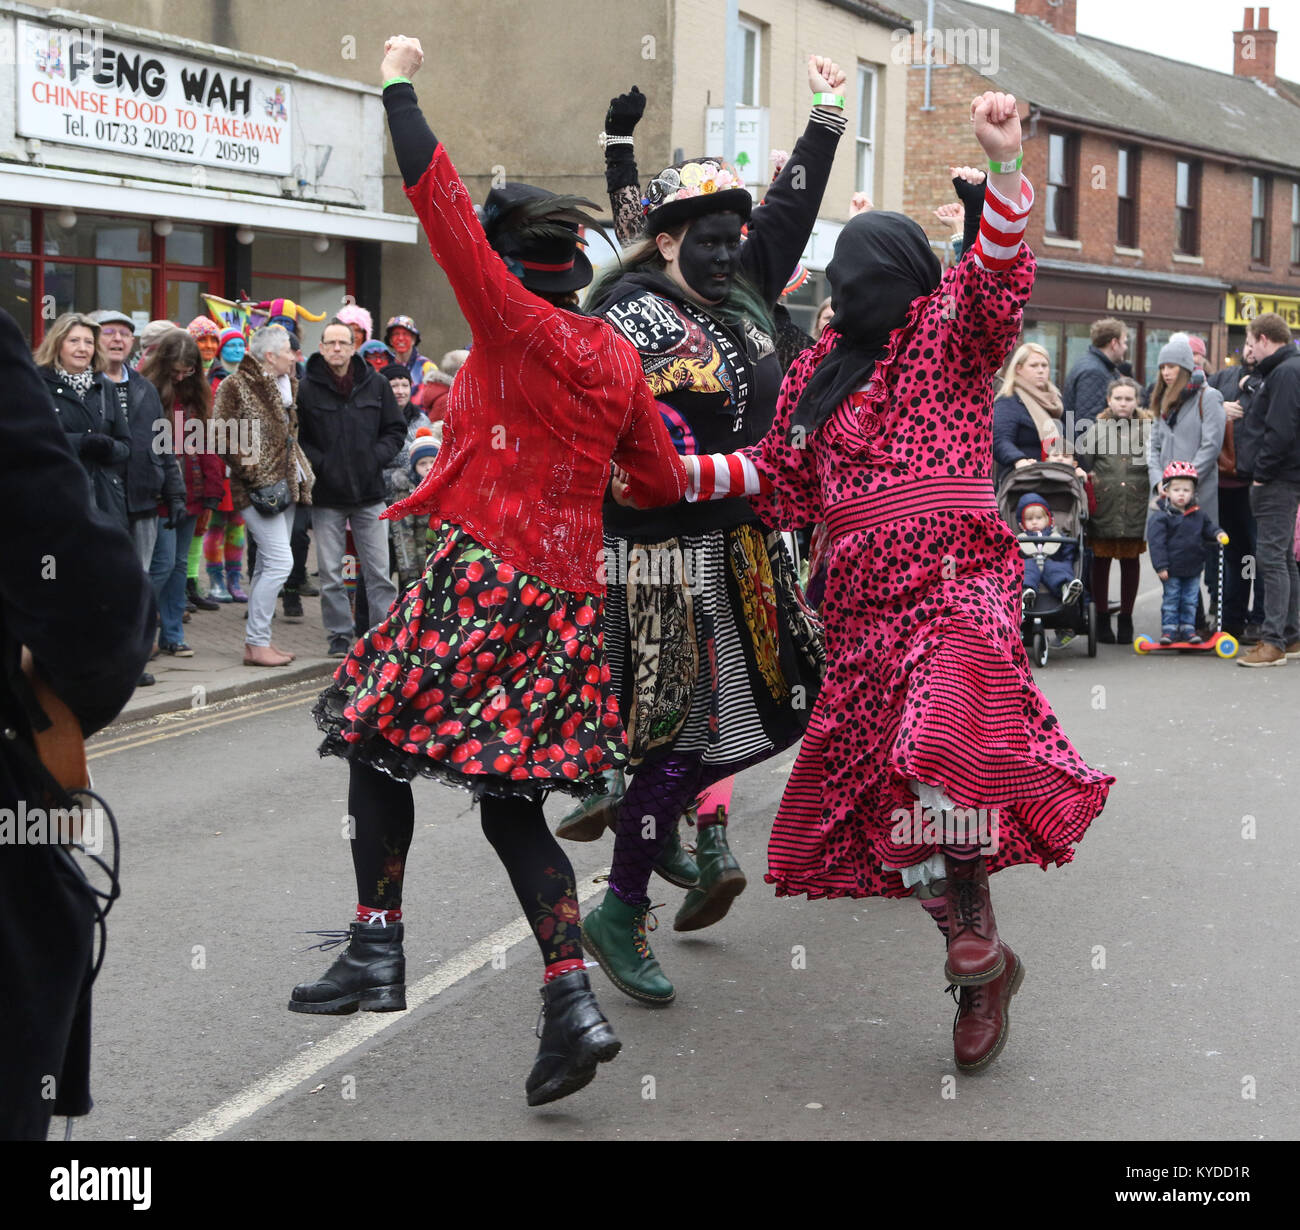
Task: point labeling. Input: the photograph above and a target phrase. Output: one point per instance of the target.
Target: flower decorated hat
(695, 188)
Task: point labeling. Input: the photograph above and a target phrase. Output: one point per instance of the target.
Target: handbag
(271, 500)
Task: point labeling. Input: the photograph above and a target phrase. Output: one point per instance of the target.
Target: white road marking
(359, 1029)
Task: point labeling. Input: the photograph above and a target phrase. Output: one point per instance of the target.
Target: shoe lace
(966, 915)
(645, 920)
(968, 998)
(332, 939)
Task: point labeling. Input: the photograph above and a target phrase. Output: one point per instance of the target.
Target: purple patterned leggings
(657, 795)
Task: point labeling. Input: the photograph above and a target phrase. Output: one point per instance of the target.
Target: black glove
(212, 503)
(624, 112)
(95, 446)
(972, 197)
(175, 514)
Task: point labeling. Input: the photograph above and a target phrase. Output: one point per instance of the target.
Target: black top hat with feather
(536, 233)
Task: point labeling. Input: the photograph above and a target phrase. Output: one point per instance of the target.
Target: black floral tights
(383, 813)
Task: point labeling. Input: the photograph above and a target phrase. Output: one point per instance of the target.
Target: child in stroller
(1049, 559)
(1045, 505)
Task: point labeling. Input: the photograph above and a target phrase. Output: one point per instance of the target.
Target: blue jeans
(1178, 607)
(171, 554)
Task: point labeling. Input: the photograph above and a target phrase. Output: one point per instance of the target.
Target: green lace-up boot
(721, 880)
(674, 864)
(589, 820)
(615, 934)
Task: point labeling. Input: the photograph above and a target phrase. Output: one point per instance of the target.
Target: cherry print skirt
(482, 676)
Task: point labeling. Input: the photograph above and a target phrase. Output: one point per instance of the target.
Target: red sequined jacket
(543, 402)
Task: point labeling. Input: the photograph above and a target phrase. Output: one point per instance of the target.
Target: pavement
(217, 672)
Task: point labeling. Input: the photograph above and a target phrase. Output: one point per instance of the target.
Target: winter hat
(1030, 500)
(374, 347)
(402, 322)
(1197, 344)
(106, 317)
(154, 332)
(427, 442)
(1177, 350)
(395, 371)
(354, 314)
(203, 326)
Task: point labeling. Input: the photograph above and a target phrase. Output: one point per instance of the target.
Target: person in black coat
(88, 623)
(350, 427)
(1269, 451)
(70, 362)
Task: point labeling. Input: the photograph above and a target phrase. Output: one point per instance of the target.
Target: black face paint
(708, 255)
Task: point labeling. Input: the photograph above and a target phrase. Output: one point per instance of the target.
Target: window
(866, 144)
(288, 266)
(1126, 189)
(1261, 195)
(1295, 224)
(1187, 202)
(1062, 156)
(751, 49)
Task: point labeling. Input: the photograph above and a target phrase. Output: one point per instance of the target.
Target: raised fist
(997, 124)
(624, 113)
(402, 57)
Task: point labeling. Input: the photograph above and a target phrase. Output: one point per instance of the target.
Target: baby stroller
(1063, 491)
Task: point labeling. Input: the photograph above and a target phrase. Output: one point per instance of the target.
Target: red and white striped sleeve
(715, 476)
(1002, 227)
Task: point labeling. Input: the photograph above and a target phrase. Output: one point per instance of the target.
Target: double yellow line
(190, 721)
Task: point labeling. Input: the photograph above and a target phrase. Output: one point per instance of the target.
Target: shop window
(1187, 206)
(866, 140)
(87, 288)
(191, 245)
(1295, 224)
(99, 238)
(1062, 168)
(289, 267)
(751, 58)
(1078, 337)
(16, 293)
(1261, 197)
(15, 229)
(1126, 189)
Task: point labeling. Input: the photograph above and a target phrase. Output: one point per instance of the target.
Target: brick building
(514, 90)
(1168, 194)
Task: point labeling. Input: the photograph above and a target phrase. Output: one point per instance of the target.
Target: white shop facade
(139, 171)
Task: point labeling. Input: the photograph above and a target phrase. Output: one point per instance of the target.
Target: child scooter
(1220, 642)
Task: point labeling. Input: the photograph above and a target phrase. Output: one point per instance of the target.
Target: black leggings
(383, 813)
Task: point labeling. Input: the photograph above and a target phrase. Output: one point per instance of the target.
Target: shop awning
(53, 189)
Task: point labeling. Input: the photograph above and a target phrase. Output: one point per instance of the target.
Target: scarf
(882, 264)
(1045, 409)
(80, 381)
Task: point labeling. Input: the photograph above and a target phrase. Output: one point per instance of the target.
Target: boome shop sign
(77, 87)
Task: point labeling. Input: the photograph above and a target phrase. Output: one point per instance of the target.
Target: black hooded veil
(882, 264)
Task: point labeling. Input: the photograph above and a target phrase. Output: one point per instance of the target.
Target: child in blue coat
(1176, 536)
(1049, 563)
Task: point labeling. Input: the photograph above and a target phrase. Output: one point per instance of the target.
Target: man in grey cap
(153, 476)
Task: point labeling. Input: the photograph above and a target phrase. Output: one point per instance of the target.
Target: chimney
(1059, 14)
(1255, 49)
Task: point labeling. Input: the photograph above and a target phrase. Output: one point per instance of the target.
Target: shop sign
(752, 151)
(1127, 303)
(1242, 307)
(78, 87)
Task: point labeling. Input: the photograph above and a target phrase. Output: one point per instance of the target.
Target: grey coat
(1197, 436)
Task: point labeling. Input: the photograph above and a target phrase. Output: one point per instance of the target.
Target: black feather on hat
(536, 233)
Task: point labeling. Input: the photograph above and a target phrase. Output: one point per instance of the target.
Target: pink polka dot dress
(927, 678)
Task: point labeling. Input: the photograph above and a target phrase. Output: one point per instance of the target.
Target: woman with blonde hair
(1027, 416)
(70, 362)
(1113, 449)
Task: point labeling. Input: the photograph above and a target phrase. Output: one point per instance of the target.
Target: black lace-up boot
(575, 1038)
(370, 975)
